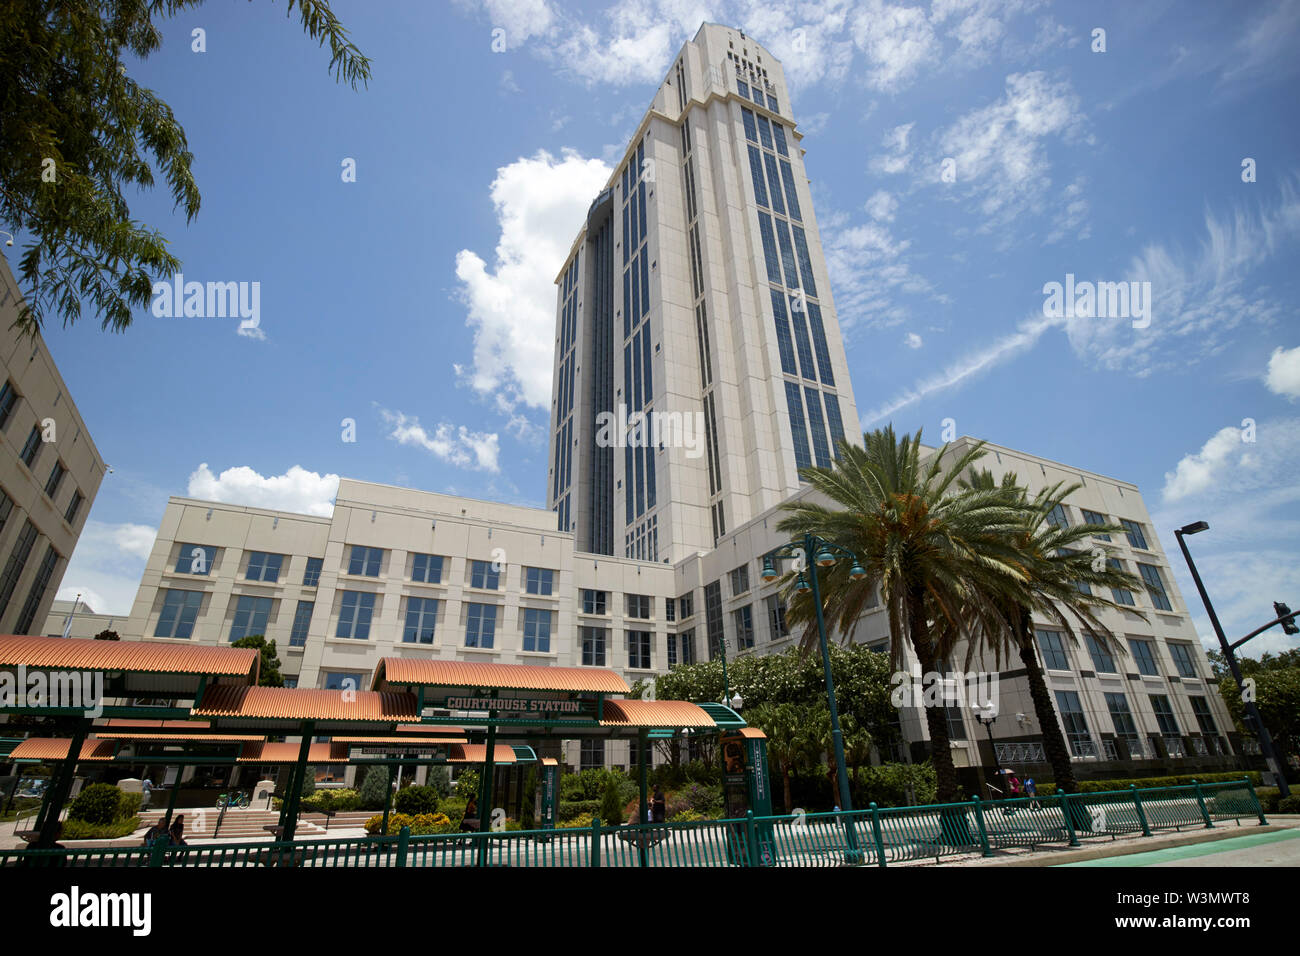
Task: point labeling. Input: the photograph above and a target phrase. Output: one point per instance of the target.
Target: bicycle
(236, 798)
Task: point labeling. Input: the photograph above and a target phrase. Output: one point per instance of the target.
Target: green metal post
(62, 787)
(485, 805)
(837, 738)
(171, 799)
(595, 841)
(878, 834)
(1250, 785)
(1200, 799)
(751, 839)
(403, 838)
(1066, 812)
(1142, 814)
(643, 811)
(293, 799)
(979, 822)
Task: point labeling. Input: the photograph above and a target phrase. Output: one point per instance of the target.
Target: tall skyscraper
(698, 360)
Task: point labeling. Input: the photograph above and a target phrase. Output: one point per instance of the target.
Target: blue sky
(417, 300)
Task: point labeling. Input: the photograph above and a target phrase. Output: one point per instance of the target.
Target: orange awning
(156, 657)
(407, 671)
(653, 714)
(56, 748)
(297, 703)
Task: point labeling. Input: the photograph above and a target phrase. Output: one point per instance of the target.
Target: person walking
(146, 792)
(1031, 791)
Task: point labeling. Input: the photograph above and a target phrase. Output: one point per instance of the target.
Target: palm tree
(933, 550)
(1062, 567)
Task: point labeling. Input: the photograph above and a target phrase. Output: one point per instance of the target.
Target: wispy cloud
(454, 444)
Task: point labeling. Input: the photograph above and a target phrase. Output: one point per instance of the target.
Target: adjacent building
(50, 471)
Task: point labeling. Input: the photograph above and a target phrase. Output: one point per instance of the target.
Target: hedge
(1145, 783)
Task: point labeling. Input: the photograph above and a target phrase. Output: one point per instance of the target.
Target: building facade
(696, 291)
(50, 471)
(698, 360)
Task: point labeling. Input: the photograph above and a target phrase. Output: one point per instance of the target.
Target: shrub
(703, 799)
(586, 785)
(887, 785)
(685, 816)
(129, 804)
(340, 801)
(374, 788)
(467, 784)
(74, 829)
(1290, 805)
(98, 803)
(453, 807)
(396, 821)
(579, 821)
(416, 800)
(440, 779)
(1144, 783)
(1268, 798)
(611, 802)
(569, 809)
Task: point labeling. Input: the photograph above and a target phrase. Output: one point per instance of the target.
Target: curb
(1110, 851)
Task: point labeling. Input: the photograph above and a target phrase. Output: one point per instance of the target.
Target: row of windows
(16, 563)
(1055, 657)
(1059, 517)
(1076, 724)
(31, 451)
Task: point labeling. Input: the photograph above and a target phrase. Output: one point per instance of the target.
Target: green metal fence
(872, 837)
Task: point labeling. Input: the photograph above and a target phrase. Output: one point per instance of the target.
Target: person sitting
(469, 823)
(177, 832)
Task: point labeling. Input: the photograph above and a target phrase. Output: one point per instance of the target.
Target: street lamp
(986, 713)
(1252, 712)
(824, 554)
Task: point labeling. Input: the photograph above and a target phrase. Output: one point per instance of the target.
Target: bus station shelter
(419, 711)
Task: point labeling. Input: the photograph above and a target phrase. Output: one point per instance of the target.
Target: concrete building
(691, 264)
(50, 472)
(80, 620)
(698, 359)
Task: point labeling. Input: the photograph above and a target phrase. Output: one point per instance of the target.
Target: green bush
(454, 807)
(580, 821)
(1290, 805)
(586, 785)
(129, 804)
(74, 829)
(569, 809)
(685, 816)
(416, 800)
(374, 788)
(440, 779)
(98, 803)
(611, 802)
(467, 784)
(887, 785)
(1268, 798)
(339, 801)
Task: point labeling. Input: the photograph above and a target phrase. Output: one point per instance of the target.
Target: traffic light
(1288, 623)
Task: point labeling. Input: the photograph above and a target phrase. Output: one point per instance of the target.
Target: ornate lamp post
(821, 553)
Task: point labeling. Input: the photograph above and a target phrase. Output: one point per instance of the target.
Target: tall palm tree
(932, 549)
(1062, 566)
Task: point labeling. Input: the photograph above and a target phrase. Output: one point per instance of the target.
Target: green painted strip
(1172, 853)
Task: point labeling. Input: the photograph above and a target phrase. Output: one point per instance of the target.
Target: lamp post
(817, 552)
(1248, 700)
(986, 714)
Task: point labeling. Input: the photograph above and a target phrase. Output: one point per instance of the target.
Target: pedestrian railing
(876, 836)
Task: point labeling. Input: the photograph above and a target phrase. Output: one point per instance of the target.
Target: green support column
(388, 798)
(294, 797)
(644, 816)
(485, 789)
(61, 787)
(171, 797)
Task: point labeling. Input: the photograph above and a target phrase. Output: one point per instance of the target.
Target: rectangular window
(32, 447)
(355, 611)
(74, 507)
(686, 607)
(1144, 656)
(1074, 724)
(263, 567)
(819, 342)
(776, 626)
(365, 561)
(301, 622)
(769, 255)
(713, 618)
(427, 568)
(1103, 661)
(1204, 719)
(179, 611)
(8, 399)
(778, 132)
(537, 629)
(756, 172)
(834, 421)
(485, 574)
(481, 625)
(17, 561)
(6, 509)
(956, 723)
(688, 646)
(1057, 517)
(821, 448)
(1133, 530)
(593, 602)
(539, 580)
(784, 344)
(196, 559)
(747, 117)
(792, 202)
(743, 618)
(56, 478)
(798, 429)
(1120, 595)
(739, 580)
(421, 620)
(1092, 517)
(774, 178)
(311, 577)
(341, 680)
(1054, 656)
(1182, 655)
(670, 609)
(251, 615)
(638, 650)
(593, 646)
(1165, 715)
(672, 651)
(640, 606)
(1155, 586)
(1121, 716)
(592, 754)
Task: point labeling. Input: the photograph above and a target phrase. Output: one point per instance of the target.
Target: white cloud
(913, 341)
(896, 157)
(898, 42)
(521, 20)
(456, 445)
(1283, 376)
(107, 566)
(297, 490)
(1198, 471)
(882, 205)
(540, 204)
(868, 270)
